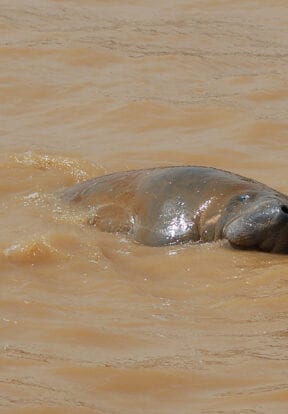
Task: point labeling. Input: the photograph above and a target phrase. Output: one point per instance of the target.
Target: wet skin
(171, 205)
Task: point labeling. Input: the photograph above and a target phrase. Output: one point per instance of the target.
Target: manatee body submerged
(171, 205)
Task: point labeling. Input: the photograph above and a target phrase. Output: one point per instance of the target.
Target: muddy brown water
(92, 322)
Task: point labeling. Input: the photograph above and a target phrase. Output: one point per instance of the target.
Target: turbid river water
(92, 322)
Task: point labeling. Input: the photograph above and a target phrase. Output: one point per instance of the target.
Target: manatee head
(257, 220)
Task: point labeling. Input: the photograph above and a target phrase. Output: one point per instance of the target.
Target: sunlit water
(92, 322)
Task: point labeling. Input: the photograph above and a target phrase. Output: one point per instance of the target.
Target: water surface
(92, 322)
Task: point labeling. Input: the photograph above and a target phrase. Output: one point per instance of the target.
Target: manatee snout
(263, 226)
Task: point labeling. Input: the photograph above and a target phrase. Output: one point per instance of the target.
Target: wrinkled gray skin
(172, 205)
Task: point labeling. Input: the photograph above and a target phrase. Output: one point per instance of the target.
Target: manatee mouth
(264, 229)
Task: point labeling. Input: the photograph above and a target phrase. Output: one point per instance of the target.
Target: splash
(38, 250)
(79, 170)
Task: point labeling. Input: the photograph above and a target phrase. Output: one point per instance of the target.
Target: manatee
(172, 205)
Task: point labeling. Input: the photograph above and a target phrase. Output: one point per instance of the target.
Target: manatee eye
(244, 197)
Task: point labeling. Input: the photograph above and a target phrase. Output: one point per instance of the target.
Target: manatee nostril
(284, 209)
